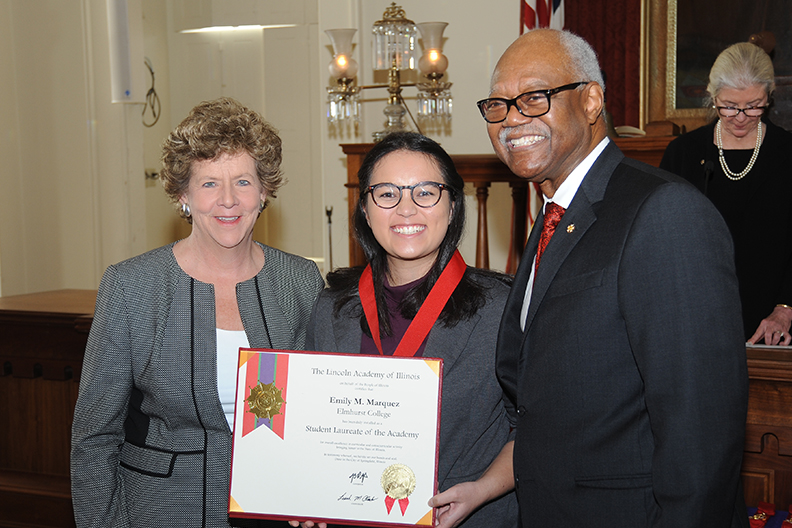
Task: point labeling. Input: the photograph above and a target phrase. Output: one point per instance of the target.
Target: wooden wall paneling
(767, 460)
(42, 341)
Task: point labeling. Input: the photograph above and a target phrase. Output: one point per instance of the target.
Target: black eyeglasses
(388, 195)
(731, 111)
(529, 104)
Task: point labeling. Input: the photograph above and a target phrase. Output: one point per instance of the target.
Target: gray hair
(583, 58)
(740, 66)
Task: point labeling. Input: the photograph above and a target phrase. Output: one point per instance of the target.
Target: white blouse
(228, 344)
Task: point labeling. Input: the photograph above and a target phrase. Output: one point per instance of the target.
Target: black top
(757, 209)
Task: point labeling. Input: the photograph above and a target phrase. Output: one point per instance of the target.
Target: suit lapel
(273, 330)
(448, 343)
(511, 315)
(510, 336)
(574, 224)
(347, 334)
(576, 221)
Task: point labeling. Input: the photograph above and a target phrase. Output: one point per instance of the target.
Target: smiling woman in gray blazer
(409, 220)
(151, 439)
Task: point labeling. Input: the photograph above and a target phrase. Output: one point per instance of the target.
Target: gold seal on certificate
(398, 483)
(265, 400)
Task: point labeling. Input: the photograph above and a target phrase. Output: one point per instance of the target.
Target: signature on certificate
(357, 498)
(360, 477)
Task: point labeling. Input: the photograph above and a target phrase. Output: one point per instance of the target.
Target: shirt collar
(568, 188)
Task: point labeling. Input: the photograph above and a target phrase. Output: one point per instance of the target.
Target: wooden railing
(482, 170)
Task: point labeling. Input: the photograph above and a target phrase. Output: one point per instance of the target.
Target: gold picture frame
(659, 67)
(677, 52)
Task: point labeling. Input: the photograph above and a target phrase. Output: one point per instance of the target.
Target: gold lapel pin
(570, 228)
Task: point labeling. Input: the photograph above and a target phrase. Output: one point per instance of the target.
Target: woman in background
(151, 439)
(743, 163)
(409, 220)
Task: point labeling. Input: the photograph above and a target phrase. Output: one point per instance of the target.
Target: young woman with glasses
(742, 161)
(409, 220)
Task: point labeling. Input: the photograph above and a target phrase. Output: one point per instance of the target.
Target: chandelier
(394, 50)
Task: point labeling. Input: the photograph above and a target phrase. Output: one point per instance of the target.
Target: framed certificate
(340, 438)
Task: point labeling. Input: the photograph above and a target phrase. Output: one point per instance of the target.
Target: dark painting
(707, 27)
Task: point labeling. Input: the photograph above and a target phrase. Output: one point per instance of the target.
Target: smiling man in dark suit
(622, 352)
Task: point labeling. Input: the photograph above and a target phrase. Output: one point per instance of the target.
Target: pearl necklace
(734, 176)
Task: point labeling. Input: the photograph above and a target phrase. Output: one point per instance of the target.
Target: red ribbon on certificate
(427, 315)
(403, 503)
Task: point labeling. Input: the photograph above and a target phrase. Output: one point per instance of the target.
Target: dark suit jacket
(473, 423)
(629, 387)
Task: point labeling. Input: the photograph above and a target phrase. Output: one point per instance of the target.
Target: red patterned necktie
(553, 214)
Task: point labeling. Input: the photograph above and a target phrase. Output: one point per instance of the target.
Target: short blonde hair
(214, 128)
(741, 66)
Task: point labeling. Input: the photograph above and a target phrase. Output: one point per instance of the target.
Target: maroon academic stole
(419, 327)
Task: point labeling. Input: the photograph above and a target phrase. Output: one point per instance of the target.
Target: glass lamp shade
(432, 61)
(343, 66)
(432, 34)
(394, 40)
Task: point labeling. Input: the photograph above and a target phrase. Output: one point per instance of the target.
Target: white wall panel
(296, 216)
(273, 72)
(74, 199)
(13, 267)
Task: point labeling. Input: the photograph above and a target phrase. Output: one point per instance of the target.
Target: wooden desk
(42, 341)
(767, 461)
(649, 149)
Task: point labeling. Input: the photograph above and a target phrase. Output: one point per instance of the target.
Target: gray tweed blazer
(473, 422)
(150, 443)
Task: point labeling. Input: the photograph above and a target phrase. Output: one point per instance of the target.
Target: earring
(185, 209)
(261, 206)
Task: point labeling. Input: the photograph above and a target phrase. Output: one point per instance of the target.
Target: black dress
(757, 209)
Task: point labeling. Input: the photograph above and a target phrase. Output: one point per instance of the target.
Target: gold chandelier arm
(367, 86)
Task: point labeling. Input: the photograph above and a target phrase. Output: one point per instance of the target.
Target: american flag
(538, 14)
(541, 14)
